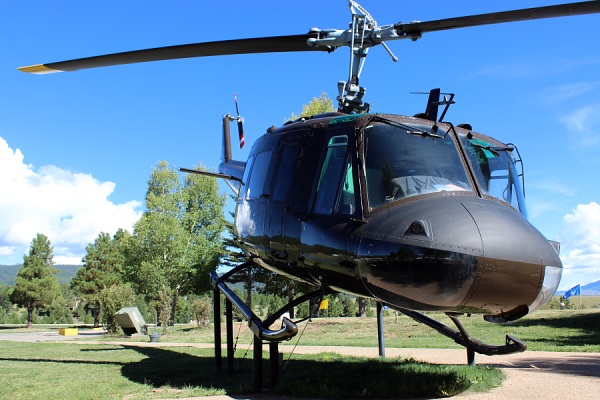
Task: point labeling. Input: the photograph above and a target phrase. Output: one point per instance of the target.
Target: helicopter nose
(520, 269)
(458, 254)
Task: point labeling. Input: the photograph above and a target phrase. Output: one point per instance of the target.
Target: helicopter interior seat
(375, 187)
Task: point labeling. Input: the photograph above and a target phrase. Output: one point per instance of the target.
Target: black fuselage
(414, 214)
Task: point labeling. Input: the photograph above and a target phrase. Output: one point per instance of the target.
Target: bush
(112, 299)
(200, 308)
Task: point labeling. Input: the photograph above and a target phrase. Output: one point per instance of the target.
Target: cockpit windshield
(495, 171)
(404, 160)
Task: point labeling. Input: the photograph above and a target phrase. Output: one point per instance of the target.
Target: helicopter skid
(513, 344)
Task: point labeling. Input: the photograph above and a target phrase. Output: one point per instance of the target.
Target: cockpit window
(335, 189)
(495, 171)
(404, 160)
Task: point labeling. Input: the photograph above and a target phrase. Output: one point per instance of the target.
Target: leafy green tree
(178, 239)
(36, 284)
(102, 268)
(318, 105)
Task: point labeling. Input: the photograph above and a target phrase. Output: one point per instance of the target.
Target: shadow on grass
(54, 360)
(9, 327)
(587, 323)
(329, 375)
(179, 369)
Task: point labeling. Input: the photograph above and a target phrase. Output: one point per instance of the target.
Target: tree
(318, 105)
(102, 268)
(5, 302)
(36, 283)
(177, 240)
(200, 310)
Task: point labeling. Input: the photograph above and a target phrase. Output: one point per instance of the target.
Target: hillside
(8, 273)
(591, 289)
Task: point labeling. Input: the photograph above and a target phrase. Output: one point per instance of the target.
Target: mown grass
(552, 330)
(81, 371)
(88, 371)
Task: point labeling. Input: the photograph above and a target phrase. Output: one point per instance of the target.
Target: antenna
(240, 122)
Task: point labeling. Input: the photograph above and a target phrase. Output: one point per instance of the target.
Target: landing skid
(513, 345)
(262, 332)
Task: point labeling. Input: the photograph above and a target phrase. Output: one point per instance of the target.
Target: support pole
(229, 325)
(471, 359)
(274, 362)
(217, 327)
(380, 333)
(257, 368)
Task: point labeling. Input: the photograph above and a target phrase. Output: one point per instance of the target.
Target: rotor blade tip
(38, 69)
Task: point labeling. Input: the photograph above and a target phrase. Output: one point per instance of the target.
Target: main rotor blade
(561, 10)
(272, 44)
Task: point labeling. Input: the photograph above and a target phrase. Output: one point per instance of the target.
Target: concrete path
(529, 375)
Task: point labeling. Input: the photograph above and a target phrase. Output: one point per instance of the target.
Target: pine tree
(102, 268)
(36, 285)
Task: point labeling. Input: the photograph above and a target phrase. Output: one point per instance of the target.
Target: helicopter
(414, 212)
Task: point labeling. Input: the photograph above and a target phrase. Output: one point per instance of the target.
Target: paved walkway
(529, 375)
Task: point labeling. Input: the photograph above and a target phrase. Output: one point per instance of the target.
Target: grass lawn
(94, 371)
(552, 330)
(80, 371)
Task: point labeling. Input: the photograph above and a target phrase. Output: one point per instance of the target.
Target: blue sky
(76, 149)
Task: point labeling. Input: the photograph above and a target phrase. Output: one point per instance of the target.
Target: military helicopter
(411, 211)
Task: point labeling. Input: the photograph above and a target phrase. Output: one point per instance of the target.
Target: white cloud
(523, 68)
(583, 119)
(70, 208)
(559, 94)
(580, 242)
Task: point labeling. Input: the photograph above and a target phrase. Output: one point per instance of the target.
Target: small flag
(324, 305)
(574, 291)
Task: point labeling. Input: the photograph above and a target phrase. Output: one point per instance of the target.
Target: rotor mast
(363, 34)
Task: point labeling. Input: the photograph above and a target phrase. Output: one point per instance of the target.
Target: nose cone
(455, 253)
(518, 266)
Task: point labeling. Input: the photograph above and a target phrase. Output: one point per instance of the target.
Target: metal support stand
(380, 331)
(259, 328)
(257, 365)
(471, 359)
(217, 327)
(229, 324)
(274, 362)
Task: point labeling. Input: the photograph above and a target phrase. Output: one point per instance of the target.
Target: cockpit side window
(335, 187)
(246, 177)
(284, 174)
(258, 175)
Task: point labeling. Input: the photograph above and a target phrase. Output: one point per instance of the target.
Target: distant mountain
(8, 273)
(591, 289)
